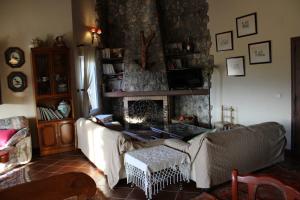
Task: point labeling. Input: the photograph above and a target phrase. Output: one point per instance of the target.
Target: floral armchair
(18, 145)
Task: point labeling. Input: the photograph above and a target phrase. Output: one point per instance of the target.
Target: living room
(260, 92)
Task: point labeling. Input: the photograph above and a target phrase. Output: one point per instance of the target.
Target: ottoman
(151, 169)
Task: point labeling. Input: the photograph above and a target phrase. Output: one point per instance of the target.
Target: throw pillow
(5, 135)
(18, 136)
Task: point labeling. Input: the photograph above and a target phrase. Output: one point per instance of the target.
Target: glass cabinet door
(43, 74)
(61, 72)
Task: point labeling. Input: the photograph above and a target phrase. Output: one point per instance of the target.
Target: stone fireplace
(172, 21)
(146, 111)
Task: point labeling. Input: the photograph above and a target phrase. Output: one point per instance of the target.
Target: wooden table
(205, 196)
(58, 187)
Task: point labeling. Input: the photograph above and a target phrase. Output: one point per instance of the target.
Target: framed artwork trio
(258, 52)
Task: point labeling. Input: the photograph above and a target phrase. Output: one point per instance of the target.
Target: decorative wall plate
(17, 81)
(14, 57)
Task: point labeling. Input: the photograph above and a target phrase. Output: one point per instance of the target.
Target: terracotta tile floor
(42, 167)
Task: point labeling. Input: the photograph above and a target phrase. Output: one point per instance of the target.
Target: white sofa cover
(213, 155)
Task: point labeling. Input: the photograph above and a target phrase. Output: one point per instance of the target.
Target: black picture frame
(235, 66)
(17, 81)
(260, 52)
(246, 23)
(226, 37)
(14, 57)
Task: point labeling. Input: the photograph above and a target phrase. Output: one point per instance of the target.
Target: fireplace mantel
(157, 93)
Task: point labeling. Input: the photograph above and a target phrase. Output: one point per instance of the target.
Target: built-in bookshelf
(112, 69)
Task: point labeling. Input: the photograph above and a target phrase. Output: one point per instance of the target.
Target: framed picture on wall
(260, 52)
(246, 25)
(224, 41)
(14, 57)
(235, 66)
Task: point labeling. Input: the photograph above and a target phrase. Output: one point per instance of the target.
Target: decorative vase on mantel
(64, 108)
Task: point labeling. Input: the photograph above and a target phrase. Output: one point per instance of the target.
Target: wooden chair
(227, 118)
(253, 182)
(74, 184)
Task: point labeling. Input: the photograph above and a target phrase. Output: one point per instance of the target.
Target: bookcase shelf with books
(54, 104)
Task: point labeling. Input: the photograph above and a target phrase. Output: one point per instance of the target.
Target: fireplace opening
(144, 112)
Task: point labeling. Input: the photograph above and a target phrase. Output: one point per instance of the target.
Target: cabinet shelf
(54, 120)
(57, 96)
(158, 93)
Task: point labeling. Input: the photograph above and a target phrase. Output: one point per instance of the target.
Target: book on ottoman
(104, 118)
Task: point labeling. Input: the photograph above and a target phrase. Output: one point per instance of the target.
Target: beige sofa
(213, 155)
(19, 145)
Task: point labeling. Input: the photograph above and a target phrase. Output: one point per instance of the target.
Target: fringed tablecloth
(151, 169)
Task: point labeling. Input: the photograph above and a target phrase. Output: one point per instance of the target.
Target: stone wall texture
(172, 21)
(182, 20)
(143, 16)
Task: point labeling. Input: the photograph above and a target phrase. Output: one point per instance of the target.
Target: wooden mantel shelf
(158, 93)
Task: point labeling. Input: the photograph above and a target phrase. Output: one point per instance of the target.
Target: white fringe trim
(152, 183)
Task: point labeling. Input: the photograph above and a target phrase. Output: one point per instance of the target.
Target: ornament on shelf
(145, 43)
(64, 108)
(59, 41)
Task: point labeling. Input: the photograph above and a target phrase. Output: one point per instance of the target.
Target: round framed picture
(17, 81)
(14, 57)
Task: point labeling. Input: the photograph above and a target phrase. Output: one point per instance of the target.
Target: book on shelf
(43, 114)
(38, 114)
(47, 114)
(59, 114)
(48, 117)
(108, 69)
(54, 114)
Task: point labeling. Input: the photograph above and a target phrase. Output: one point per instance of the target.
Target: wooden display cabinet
(51, 69)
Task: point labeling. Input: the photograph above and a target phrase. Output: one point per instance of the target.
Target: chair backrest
(227, 114)
(18, 122)
(58, 187)
(253, 182)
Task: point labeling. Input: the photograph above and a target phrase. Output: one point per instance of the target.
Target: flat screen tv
(185, 79)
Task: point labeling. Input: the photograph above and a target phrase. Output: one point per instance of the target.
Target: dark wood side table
(205, 196)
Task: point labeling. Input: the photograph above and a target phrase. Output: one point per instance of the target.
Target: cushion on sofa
(5, 135)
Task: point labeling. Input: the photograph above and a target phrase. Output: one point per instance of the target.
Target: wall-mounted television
(185, 78)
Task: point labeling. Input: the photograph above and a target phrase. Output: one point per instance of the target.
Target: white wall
(264, 94)
(20, 22)
(84, 16)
